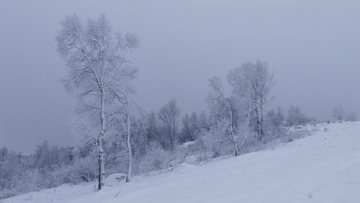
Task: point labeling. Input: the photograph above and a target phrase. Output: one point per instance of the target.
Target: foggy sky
(312, 46)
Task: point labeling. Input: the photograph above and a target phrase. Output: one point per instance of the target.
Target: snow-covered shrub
(156, 158)
(338, 113)
(83, 169)
(199, 158)
(294, 135)
(272, 133)
(213, 142)
(275, 119)
(25, 182)
(351, 117)
(117, 160)
(57, 175)
(295, 117)
(251, 144)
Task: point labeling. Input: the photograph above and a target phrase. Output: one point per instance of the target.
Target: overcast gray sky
(313, 47)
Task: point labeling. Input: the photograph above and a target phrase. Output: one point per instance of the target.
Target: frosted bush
(296, 135)
(156, 158)
(199, 158)
(84, 169)
(210, 146)
(26, 182)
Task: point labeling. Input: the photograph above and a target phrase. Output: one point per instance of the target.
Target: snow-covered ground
(324, 167)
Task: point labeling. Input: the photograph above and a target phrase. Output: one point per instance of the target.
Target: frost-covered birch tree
(124, 111)
(252, 82)
(96, 65)
(338, 113)
(223, 110)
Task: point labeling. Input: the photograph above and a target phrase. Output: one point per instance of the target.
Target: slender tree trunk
(171, 138)
(247, 126)
(174, 132)
(101, 177)
(189, 134)
(232, 133)
(261, 121)
(259, 130)
(128, 177)
(257, 120)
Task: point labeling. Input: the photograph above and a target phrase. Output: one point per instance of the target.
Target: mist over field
(312, 47)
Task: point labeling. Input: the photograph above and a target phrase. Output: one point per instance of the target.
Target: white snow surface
(324, 167)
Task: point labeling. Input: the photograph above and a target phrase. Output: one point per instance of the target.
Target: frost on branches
(98, 72)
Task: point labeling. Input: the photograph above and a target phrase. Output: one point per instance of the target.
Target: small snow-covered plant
(25, 182)
(351, 117)
(156, 158)
(294, 135)
(214, 141)
(251, 144)
(84, 169)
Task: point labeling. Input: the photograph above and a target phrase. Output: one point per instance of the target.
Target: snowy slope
(324, 167)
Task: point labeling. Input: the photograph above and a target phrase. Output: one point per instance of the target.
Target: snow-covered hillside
(324, 167)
